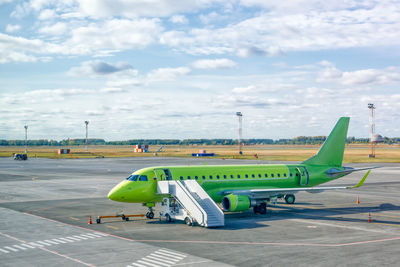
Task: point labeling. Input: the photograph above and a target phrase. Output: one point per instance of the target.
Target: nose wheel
(150, 214)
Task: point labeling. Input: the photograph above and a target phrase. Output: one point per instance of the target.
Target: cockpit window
(133, 177)
(143, 178)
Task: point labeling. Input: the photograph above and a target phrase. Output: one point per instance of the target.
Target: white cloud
(58, 28)
(179, 19)
(96, 68)
(221, 63)
(330, 73)
(12, 28)
(47, 14)
(112, 90)
(243, 90)
(167, 74)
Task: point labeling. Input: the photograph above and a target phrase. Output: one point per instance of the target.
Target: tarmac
(45, 205)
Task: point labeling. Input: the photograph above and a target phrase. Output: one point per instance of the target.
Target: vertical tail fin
(331, 152)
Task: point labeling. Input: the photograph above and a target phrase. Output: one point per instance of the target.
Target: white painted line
(88, 236)
(16, 246)
(148, 263)
(43, 243)
(63, 239)
(103, 234)
(73, 238)
(136, 264)
(5, 251)
(59, 241)
(12, 249)
(80, 237)
(172, 252)
(160, 260)
(164, 257)
(26, 245)
(93, 235)
(51, 242)
(169, 255)
(156, 262)
(36, 245)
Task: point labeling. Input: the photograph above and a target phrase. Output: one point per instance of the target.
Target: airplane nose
(113, 194)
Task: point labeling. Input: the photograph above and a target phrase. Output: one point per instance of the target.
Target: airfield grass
(353, 153)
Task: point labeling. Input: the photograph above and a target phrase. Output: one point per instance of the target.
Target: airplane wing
(271, 192)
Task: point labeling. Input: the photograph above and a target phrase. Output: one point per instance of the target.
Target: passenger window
(259, 175)
(224, 176)
(252, 175)
(181, 178)
(231, 176)
(284, 174)
(143, 178)
(246, 176)
(196, 177)
(217, 176)
(266, 175)
(272, 175)
(188, 177)
(203, 177)
(279, 175)
(238, 176)
(291, 174)
(210, 176)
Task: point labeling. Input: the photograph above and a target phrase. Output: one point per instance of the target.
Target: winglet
(361, 182)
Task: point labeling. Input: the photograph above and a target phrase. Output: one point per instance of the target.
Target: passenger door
(303, 173)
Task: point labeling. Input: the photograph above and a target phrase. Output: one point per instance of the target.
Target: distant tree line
(300, 140)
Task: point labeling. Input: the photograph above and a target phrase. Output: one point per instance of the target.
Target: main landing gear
(289, 198)
(260, 209)
(150, 214)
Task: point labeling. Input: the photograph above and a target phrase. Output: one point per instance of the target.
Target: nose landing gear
(150, 214)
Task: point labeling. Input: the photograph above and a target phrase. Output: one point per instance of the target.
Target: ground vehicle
(171, 209)
(20, 156)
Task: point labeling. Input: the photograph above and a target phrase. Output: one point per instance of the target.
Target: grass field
(353, 153)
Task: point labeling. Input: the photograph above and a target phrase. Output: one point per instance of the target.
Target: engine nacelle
(233, 202)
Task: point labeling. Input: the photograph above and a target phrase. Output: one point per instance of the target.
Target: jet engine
(233, 202)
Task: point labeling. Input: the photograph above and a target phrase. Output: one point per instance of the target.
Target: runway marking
(159, 258)
(112, 227)
(73, 218)
(397, 225)
(41, 244)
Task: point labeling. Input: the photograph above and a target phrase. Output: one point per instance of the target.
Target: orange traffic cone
(358, 200)
(90, 220)
(369, 218)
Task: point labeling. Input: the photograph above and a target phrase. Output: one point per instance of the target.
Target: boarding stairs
(196, 202)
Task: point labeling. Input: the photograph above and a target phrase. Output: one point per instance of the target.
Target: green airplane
(240, 187)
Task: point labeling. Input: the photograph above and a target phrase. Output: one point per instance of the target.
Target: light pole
(372, 130)
(86, 123)
(26, 138)
(240, 115)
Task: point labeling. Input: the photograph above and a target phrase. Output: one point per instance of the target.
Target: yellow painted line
(73, 218)
(34, 178)
(397, 225)
(112, 227)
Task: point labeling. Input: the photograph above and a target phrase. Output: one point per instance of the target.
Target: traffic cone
(90, 220)
(358, 200)
(369, 218)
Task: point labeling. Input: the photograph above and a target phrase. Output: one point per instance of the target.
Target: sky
(182, 69)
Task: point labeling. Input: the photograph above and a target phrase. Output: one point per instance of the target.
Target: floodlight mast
(371, 106)
(86, 123)
(26, 138)
(240, 115)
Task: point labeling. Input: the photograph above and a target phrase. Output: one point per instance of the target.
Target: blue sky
(181, 69)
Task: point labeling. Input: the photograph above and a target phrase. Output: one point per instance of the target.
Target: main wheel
(188, 221)
(262, 208)
(168, 218)
(290, 199)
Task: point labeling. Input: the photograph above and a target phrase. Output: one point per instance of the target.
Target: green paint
(217, 179)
